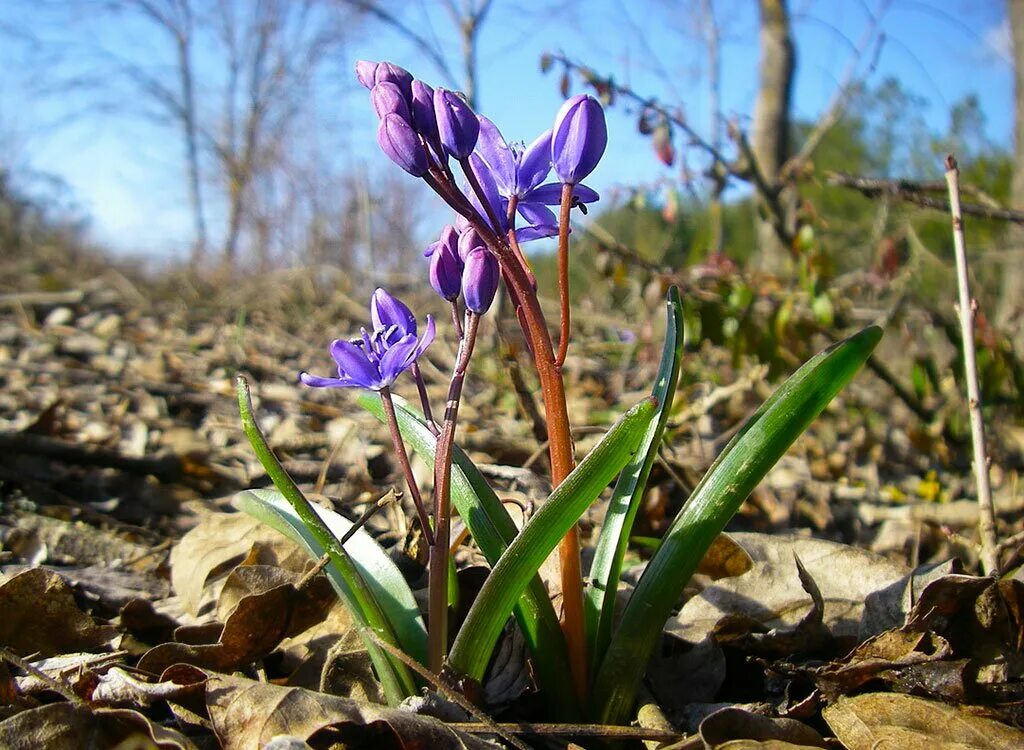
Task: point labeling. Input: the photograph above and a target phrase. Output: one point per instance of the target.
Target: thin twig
(54, 685)
(603, 731)
(446, 691)
(563, 273)
(369, 513)
(968, 308)
(909, 191)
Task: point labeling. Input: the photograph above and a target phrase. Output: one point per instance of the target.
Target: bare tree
(770, 130)
(1013, 274)
(467, 17)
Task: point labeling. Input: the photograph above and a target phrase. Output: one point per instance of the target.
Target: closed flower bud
(365, 72)
(457, 125)
(579, 138)
(480, 280)
(446, 270)
(402, 145)
(387, 99)
(469, 241)
(423, 117)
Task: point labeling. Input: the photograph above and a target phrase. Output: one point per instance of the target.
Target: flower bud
(446, 270)
(423, 117)
(401, 144)
(480, 280)
(365, 72)
(457, 125)
(579, 138)
(387, 99)
(469, 241)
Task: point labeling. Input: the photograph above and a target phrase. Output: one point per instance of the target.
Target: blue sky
(126, 172)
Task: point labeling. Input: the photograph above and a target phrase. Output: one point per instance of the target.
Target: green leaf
(493, 530)
(735, 473)
(373, 563)
(518, 566)
(396, 679)
(629, 490)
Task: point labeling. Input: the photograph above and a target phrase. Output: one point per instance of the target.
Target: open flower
(375, 359)
(517, 171)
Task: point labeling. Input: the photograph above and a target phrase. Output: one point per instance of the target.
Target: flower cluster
(376, 358)
(422, 128)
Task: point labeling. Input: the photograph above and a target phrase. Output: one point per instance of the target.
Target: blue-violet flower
(377, 358)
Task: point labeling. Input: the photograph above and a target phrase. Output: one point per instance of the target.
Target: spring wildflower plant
(588, 663)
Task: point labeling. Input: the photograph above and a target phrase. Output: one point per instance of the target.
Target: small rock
(109, 326)
(59, 316)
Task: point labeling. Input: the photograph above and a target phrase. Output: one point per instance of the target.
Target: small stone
(109, 326)
(59, 316)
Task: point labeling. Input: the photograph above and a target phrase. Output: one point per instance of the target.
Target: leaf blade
(742, 464)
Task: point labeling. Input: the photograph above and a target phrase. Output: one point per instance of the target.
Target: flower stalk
(403, 460)
(437, 595)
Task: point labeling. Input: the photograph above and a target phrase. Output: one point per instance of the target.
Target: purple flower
(516, 171)
(480, 280)
(401, 144)
(376, 359)
(457, 124)
(446, 265)
(579, 139)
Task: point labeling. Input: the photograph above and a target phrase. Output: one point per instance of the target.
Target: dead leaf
(76, 726)
(218, 539)
(771, 596)
(725, 558)
(254, 628)
(877, 720)
(41, 617)
(736, 724)
(247, 714)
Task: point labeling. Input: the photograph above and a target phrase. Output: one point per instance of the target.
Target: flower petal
(355, 365)
(387, 310)
(397, 359)
(535, 164)
(536, 213)
(528, 234)
(492, 148)
(318, 382)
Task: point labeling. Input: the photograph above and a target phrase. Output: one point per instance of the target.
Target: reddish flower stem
(403, 460)
(563, 272)
(437, 593)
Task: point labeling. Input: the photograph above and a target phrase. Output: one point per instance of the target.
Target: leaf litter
(134, 611)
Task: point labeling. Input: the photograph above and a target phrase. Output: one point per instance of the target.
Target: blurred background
(192, 188)
(213, 131)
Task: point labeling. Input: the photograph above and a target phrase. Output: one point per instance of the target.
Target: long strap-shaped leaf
(732, 477)
(493, 529)
(479, 633)
(629, 490)
(377, 569)
(395, 677)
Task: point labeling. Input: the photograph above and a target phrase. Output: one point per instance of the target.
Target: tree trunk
(1013, 271)
(195, 196)
(769, 137)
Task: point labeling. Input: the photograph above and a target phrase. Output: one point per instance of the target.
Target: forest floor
(137, 604)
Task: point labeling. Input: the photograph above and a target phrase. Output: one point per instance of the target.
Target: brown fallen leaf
(247, 714)
(41, 617)
(76, 726)
(254, 628)
(730, 724)
(772, 594)
(876, 720)
(218, 539)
